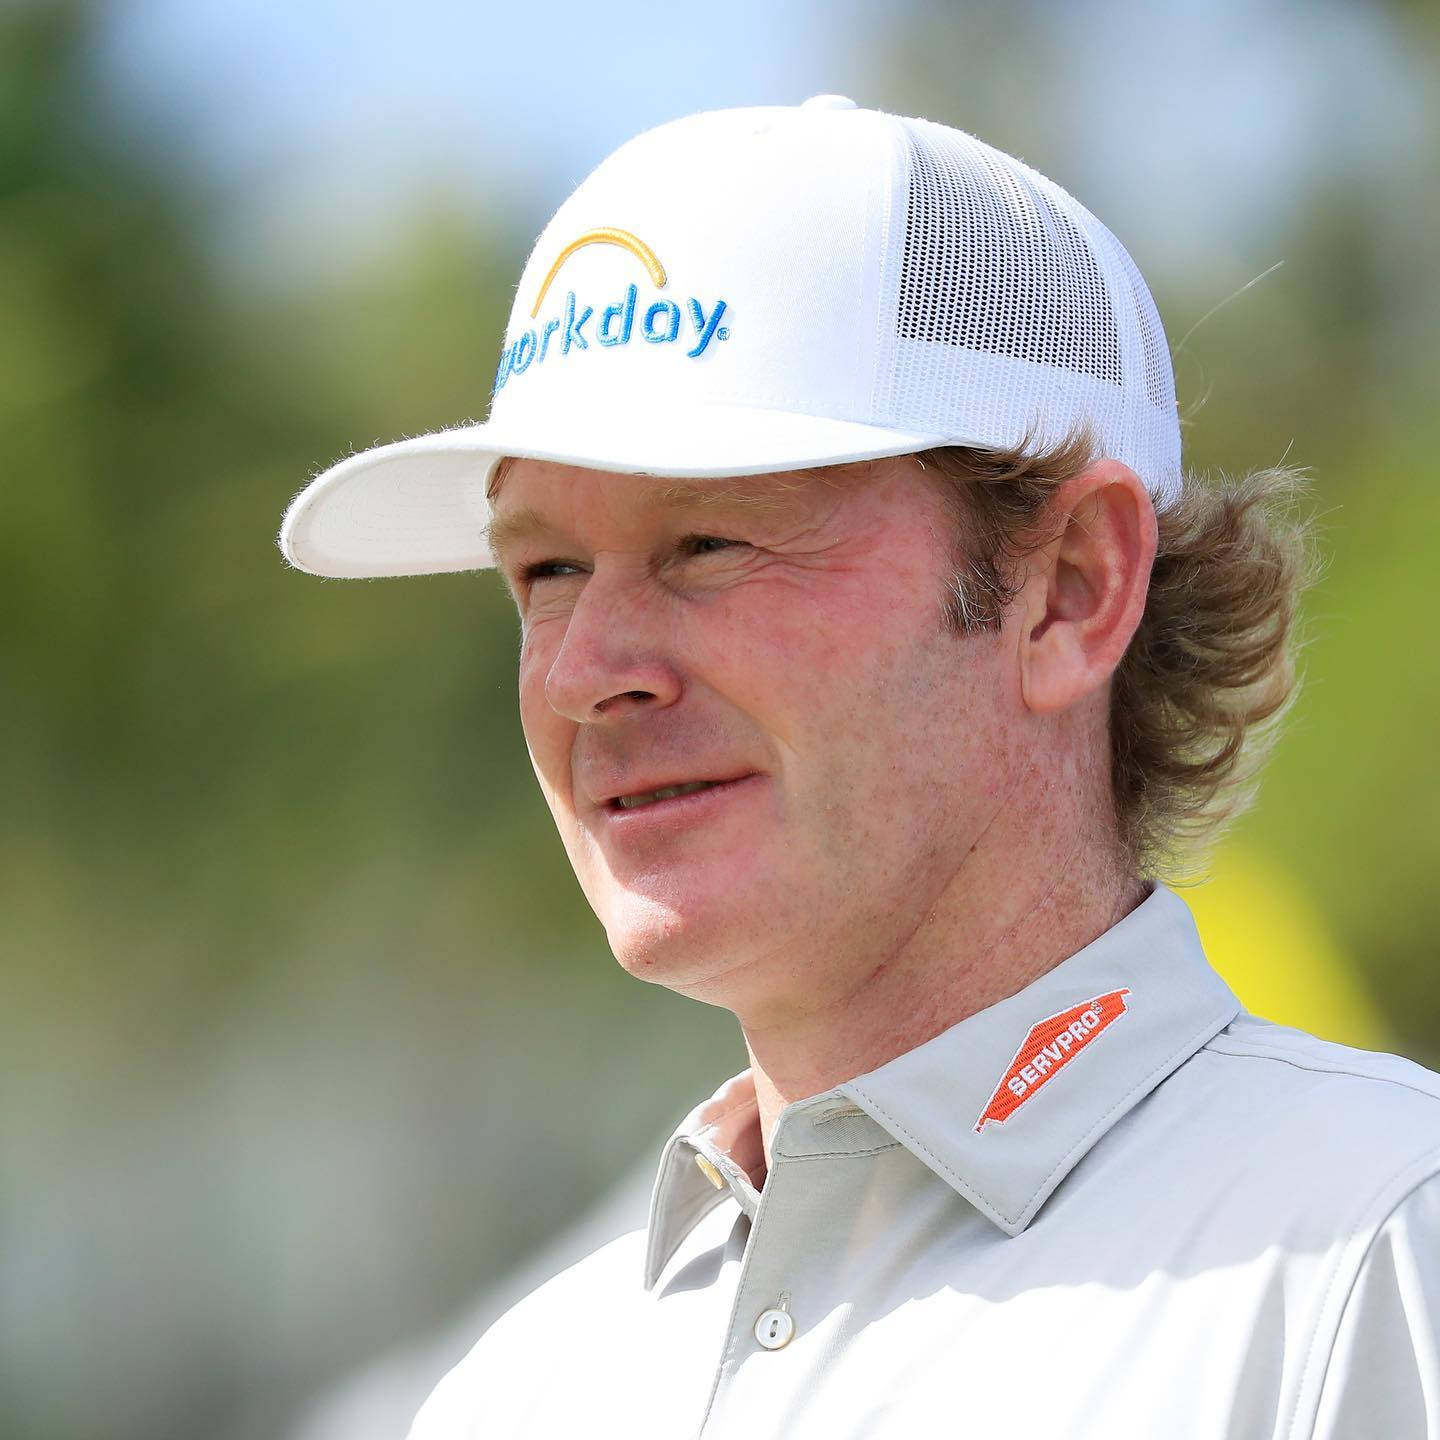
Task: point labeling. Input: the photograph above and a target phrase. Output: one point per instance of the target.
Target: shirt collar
(1001, 1106)
(711, 1156)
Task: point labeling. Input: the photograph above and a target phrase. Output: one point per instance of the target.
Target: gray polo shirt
(1110, 1206)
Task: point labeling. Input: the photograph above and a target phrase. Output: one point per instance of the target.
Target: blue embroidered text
(660, 324)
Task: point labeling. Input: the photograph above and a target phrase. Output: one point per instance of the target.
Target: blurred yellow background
(309, 1037)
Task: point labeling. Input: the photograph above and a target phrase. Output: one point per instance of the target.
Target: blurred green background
(308, 1036)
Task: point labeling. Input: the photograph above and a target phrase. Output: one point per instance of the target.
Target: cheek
(548, 735)
(776, 655)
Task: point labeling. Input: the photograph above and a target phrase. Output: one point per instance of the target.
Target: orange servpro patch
(1049, 1047)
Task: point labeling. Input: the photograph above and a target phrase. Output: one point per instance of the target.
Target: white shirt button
(774, 1328)
(828, 102)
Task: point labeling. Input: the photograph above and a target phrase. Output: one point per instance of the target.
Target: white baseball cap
(757, 290)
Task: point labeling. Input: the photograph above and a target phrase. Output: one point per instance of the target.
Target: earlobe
(1086, 589)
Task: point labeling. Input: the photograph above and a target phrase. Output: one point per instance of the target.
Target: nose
(614, 660)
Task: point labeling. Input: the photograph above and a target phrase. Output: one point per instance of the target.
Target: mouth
(664, 814)
(642, 798)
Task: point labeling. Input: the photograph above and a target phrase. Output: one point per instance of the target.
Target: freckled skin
(812, 651)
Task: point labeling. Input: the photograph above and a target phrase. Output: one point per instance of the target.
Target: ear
(1085, 590)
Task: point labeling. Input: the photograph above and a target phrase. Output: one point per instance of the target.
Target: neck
(1001, 923)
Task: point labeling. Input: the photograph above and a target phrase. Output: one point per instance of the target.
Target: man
(876, 656)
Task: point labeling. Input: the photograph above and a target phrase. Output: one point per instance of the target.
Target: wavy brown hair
(1195, 701)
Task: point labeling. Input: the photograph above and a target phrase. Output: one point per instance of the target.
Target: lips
(665, 792)
(626, 793)
(663, 811)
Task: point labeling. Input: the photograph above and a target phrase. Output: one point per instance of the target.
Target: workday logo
(662, 322)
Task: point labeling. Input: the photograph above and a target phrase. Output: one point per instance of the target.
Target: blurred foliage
(285, 928)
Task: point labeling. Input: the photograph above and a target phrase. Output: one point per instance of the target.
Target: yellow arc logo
(607, 235)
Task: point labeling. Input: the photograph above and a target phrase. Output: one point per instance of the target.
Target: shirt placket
(765, 1356)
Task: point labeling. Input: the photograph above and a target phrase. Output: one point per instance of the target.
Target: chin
(679, 946)
(650, 938)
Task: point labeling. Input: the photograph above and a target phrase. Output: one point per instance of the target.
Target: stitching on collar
(837, 1110)
(1187, 1048)
(915, 1143)
(842, 1154)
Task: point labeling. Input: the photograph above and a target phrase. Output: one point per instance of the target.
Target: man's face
(773, 649)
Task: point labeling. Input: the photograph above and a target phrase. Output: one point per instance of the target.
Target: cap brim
(419, 507)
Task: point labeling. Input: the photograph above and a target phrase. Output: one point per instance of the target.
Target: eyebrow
(768, 495)
(503, 531)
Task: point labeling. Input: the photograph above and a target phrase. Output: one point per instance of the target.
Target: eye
(547, 570)
(707, 544)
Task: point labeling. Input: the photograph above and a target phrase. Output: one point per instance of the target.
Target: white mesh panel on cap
(1017, 315)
